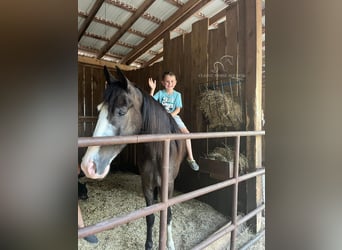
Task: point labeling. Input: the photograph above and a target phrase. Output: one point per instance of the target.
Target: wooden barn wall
(192, 58)
(91, 84)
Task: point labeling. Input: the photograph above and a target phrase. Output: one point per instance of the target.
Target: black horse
(127, 110)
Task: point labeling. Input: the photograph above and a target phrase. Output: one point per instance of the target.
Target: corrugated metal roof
(131, 39)
(187, 25)
(85, 5)
(119, 50)
(101, 30)
(92, 43)
(145, 25)
(80, 21)
(215, 7)
(162, 10)
(114, 15)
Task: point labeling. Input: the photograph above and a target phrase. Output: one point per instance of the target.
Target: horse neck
(155, 118)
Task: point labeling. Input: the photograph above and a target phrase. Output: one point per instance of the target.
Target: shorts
(179, 121)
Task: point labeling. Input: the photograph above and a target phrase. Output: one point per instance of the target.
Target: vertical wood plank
(232, 38)
(80, 98)
(186, 78)
(254, 102)
(199, 70)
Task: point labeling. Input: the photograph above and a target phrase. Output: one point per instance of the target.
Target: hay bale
(220, 110)
(226, 154)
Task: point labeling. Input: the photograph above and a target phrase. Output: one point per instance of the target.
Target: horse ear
(122, 78)
(109, 78)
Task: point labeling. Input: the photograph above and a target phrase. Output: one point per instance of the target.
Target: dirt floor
(120, 193)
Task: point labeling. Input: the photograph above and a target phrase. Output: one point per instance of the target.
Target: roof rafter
(218, 16)
(171, 23)
(114, 25)
(102, 38)
(179, 4)
(95, 52)
(143, 7)
(97, 5)
(132, 9)
(151, 61)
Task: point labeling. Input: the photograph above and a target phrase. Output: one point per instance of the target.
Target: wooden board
(199, 70)
(186, 117)
(232, 38)
(253, 102)
(218, 170)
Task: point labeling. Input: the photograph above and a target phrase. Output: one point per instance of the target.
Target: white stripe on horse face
(103, 127)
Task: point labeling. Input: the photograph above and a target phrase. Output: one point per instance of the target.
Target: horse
(128, 110)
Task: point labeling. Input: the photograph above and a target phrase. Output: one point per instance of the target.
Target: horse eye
(121, 112)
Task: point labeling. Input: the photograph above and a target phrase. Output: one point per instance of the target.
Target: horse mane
(156, 120)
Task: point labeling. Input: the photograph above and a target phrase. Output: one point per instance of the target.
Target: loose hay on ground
(120, 193)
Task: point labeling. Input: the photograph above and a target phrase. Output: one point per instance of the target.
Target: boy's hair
(168, 73)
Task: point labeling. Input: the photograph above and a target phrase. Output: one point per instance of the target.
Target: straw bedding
(120, 193)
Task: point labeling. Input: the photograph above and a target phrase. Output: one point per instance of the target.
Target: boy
(172, 102)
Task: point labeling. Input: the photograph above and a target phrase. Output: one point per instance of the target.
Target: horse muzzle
(90, 170)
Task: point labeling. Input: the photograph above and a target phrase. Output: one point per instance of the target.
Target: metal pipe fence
(165, 201)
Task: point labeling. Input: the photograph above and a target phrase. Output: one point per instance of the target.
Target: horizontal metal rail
(228, 228)
(165, 202)
(137, 214)
(111, 140)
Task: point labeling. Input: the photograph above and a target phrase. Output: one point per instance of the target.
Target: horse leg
(170, 243)
(149, 220)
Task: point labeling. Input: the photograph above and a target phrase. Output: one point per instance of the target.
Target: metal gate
(165, 202)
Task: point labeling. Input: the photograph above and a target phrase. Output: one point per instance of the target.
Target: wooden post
(253, 43)
(199, 72)
(187, 69)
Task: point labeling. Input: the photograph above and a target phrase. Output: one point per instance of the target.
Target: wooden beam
(90, 17)
(132, 9)
(102, 38)
(154, 59)
(217, 17)
(95, 52)
(253, 85)
(112, 24)
(174, 21)
(97, 62)
(179, 4)
(143, 7)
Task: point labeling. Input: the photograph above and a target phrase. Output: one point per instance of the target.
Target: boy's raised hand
(152, 83)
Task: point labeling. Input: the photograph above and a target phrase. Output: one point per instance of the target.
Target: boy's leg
(89, 238)
(191, 161)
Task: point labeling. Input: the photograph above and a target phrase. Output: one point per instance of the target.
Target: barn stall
(214, 47)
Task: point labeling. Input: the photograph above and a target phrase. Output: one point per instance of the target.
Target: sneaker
(91, 239)
(193, 164)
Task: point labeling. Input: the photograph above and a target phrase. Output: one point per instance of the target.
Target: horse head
(119, 114)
